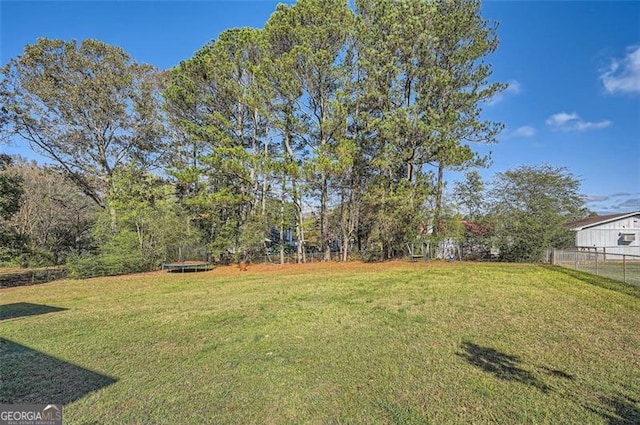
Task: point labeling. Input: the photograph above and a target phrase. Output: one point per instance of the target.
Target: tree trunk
(438, 205)
(345, 249)
(324, 218)
(300, 249)
(301, 255)
(344, 226)
(282, 200)
(349, 219)
(140, 237)
(265, 173)
(114, 220)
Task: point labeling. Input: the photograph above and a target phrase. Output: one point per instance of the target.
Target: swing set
(444, 250)
(419, 250)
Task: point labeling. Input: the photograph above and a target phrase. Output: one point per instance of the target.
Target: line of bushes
(82, 267)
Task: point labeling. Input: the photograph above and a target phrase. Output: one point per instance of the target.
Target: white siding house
(613, 234)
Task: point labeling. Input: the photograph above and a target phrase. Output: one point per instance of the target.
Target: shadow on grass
(12, 311)
(29, 376)
(603, 282)
(503, 366)
(557, 373)
(618, 409)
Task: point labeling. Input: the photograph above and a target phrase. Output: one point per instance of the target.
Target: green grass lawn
(613, 270)
(392, 343)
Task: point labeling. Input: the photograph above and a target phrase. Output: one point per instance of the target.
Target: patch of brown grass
(325, 267)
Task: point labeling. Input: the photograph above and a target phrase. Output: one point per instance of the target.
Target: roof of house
(600, 219)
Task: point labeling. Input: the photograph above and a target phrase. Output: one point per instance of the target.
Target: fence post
(624, 267)
(597, 263)
(576, 264)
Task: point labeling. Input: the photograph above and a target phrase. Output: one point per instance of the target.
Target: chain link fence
(175, 254)
(622, 267)
(22, 277)
(292, 258)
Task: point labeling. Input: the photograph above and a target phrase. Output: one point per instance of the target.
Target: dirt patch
(323, 267)
(317, 267)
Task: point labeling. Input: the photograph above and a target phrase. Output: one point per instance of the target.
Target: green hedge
(106, 265)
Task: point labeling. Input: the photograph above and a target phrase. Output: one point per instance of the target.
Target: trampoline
(187, 266)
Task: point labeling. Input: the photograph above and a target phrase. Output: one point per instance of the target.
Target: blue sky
(573, 69)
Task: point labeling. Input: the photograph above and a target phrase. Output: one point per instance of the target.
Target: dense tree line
(332, 124)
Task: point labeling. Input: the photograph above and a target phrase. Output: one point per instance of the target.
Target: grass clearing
(630, 272)
(349, 343)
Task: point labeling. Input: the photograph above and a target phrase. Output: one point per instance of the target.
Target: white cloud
(595, 198)
(572, 122)
(513, 88)
(524, 131)
(585, 126)
(621, 202)
(561, 119)
(623, 75)
(630, 204)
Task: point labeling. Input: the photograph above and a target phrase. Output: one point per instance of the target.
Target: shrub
(106, 265)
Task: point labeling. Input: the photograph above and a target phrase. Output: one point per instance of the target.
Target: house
(613, 234)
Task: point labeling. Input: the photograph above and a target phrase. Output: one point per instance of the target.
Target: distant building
(614, 234)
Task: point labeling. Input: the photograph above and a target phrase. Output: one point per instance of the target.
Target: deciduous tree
(54, 214)
(87, 106)
(12, 243)
(470, 195)
(531, 204)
